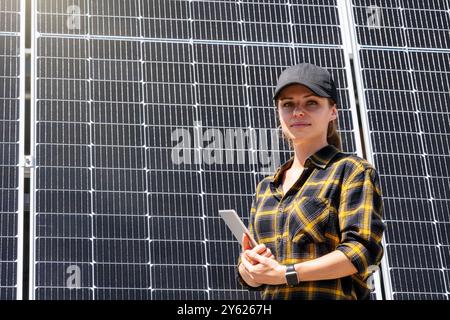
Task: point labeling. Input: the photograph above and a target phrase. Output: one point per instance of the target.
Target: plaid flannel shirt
(335, 205)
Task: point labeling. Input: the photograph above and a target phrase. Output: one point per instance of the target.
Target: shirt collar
(320, 159)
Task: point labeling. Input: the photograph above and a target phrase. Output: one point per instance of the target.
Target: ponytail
(333, 136)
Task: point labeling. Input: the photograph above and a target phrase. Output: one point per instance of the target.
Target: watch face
(292, 279)
(291, 276)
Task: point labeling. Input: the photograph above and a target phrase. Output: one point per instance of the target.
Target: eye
(311, 102)
(287, 104)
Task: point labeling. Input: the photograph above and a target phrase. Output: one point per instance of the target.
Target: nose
(298, 111)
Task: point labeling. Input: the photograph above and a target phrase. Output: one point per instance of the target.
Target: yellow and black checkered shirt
(336, 204)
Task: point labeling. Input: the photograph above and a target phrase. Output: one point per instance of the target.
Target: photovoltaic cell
(403, 56)
(10, 74)
(152, 116)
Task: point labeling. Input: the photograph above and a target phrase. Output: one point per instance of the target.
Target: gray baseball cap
(317, 79)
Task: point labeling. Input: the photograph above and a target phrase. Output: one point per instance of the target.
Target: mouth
(300, 125)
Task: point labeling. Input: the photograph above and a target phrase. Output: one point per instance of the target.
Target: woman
(317, 220)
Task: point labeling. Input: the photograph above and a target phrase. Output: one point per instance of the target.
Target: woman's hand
(266, 271)
(260, 249)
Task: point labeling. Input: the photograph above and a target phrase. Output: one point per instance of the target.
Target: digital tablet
(236, 225)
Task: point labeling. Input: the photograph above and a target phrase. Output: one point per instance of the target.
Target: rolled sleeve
(360, 221)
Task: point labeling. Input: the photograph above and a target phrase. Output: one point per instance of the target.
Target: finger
(247, 265)
(245, 242)
(263, 250)
(245, 256)
(260, 248)
(249, 259)
(256, 257)
(251, 240)
(245, 273)
(267, 253)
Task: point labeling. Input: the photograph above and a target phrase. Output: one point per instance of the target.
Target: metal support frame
(384, 277)
(31, 269)
(22, 164)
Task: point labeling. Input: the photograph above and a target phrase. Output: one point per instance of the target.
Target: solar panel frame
(348, 40)
(12, 209)
(404, 53)
(211, 225)
(32, 232)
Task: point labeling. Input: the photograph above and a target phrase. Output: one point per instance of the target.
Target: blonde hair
(333, 136)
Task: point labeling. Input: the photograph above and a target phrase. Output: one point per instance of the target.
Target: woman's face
(303, 115)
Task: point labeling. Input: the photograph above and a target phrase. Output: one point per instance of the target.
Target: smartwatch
(291, 275)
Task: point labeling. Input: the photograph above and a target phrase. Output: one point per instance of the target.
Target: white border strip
(366, 135)
(347, 43)
(31, 273)
(21, 155)
(349, 38)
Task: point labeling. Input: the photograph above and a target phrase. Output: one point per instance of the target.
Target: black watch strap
(291, 275)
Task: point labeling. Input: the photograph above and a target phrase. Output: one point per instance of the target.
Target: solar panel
(403, 54)
(10, 149)
(152, 116)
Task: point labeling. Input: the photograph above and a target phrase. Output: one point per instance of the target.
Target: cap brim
(314, 88)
